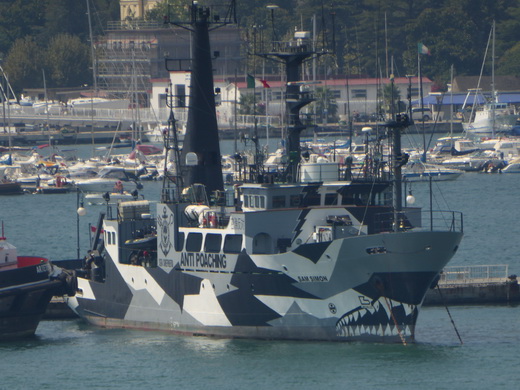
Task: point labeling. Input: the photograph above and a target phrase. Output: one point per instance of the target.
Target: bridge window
(194, 242)
(179, 243)
(331, 199)
(278, 201)
(233, 243)
(213, 243)
(312, 199)
(295, 200)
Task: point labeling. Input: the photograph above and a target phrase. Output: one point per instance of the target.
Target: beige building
(135, 9)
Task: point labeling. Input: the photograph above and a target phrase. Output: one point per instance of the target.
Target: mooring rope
(401, 336)
(449, 314)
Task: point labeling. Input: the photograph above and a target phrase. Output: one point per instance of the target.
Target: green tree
(173, 9)
(251, 105)
(326, 106)
(68, 61)
(509, 63)
(18, 19)
(24, 64)
(392, 96)
(451, 37)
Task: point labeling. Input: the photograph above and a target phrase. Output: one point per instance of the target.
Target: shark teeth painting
(381, 317)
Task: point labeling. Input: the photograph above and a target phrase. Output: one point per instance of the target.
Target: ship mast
(292, 54)
(200, 161)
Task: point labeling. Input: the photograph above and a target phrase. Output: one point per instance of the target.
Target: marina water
(66, 354)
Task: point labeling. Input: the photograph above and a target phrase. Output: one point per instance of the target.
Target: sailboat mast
(92, 52)
(493, 92)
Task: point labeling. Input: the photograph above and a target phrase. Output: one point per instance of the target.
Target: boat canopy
(458, 99)
(446, 99)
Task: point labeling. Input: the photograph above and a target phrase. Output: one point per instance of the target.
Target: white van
(421, 114)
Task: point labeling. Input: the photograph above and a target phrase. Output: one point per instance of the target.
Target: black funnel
(201, 130)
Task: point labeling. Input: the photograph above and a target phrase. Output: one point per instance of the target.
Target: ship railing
(146, 116)
(414, 218)
(134, 25)
(474, 274)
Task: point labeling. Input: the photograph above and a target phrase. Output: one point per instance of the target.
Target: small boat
(8, 187)
(107, 179)
(419, 171)
(58, 185)
(513, 166)
(27, 284)
(110, 197)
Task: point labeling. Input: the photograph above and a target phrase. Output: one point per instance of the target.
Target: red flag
(264, 83)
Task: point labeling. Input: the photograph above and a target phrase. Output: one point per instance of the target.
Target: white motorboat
(108, 179)
(513, 166)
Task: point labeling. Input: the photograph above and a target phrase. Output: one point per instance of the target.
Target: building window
(336, 94)
(162, 100)
(180, 95)
(359, 93)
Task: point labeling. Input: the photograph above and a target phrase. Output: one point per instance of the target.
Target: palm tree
(326, 106)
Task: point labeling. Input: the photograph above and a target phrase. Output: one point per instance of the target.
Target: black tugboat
(27, 284)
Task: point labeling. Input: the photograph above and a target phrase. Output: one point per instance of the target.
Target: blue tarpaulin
(512, 98)
(446, 99)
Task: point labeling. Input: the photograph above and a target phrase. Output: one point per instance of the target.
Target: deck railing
(474, 274)
(417, 219)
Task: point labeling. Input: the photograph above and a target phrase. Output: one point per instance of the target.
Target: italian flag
(423, 49)
(254, 82)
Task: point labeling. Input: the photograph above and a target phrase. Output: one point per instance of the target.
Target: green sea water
(71, 354)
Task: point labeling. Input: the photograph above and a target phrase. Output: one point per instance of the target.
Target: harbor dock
(474, 285)
(82, 126)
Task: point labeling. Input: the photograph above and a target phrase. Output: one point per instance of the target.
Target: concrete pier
(475, 285)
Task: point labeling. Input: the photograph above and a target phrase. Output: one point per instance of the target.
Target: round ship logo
(164, 222)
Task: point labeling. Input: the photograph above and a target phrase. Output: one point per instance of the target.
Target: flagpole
(235, 111)
(422, 103)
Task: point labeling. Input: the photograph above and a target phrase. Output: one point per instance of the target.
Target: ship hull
(24, 296)
(364, 288)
